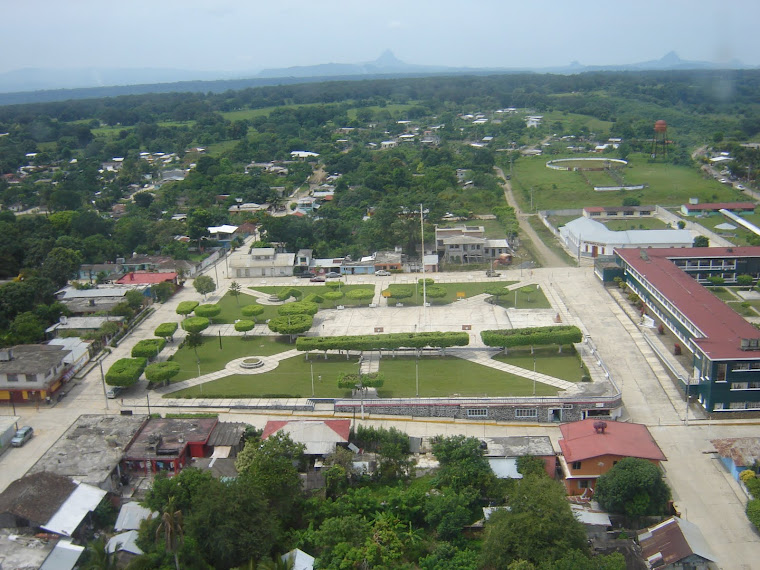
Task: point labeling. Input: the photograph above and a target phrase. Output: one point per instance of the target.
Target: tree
(633, 487)
(194, 340)
(497, 291)
(27, 328)
(60, 265)
(462, 464)
(195, 324)
(244, 326)
(291, 324)
(186, 307)
(745, 281)
(162, 291)
(235, 291)
(631, 201)
(701, 241)
(96, 556)
(148, 347)
(208, 311)
(531, 465)
(160, 372)
(539, 526)
(172, 528)
(361, 294)
(166, 330)
(125, 371)
(204, 285)
(134, 299)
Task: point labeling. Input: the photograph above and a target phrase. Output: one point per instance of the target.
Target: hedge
(186, 307)
(166, 329)
(298, 308)
(252, 310)
(333, 295)
(159, 372)
(125, 371)
(371, 380)
(288, 293)
(312, 298)
(291, 324)
(753, 512)
(195, 324)
(399, 291)
(209, 311)
(534, 336)
(390, 341)
(149, 347)
(360, 294)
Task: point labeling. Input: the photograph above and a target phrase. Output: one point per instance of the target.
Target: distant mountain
(41, 85)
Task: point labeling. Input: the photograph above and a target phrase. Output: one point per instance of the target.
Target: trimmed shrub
(195, 324)
(384, 341)
(125, 371)
(333, 295)
(148, 348)
(252, 310)
(186, 307)
(208, 311)
(244, 326)
(166, 330)
(533, 336)
(312, 298)
(291, 324)
(298, 308)
(160, 372)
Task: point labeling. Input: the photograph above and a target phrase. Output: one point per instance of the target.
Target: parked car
(22, 436)
(382, 273)
(306, 275)
(317, 279)
(740, 187)
(114, 391)
(492, 273)
(332, 274)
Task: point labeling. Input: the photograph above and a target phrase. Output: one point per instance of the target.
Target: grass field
(566, 365)
(549, 240)
(668, 185)
(528, 297)
(438, 377)
(318, 289)
(636, 224)
(244, 114)
(212, 358)
(739, 236)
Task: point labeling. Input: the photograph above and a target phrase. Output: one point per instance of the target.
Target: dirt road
(547, 258)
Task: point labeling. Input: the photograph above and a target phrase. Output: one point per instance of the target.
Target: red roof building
(696, 209)
(319, 436)
(136, 278)
(591, 447)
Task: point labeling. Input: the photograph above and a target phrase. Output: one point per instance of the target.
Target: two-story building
(592, 447)
(261, 262)
(725, 348)
(31, 372)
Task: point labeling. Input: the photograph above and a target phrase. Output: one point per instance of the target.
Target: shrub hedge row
(384, 341)
(505, 338)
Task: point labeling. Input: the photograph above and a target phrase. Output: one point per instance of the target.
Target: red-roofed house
(725, 347)
(618, 212)
(591, 447)
(135, 278)
(319, 436)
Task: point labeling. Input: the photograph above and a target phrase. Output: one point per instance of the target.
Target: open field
(739, 236)
(244, 114)
(438, 377)
(668, 185)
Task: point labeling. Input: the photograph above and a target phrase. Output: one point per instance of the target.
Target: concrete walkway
(485, 358)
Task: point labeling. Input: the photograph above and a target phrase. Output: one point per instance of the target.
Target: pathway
(547, 257)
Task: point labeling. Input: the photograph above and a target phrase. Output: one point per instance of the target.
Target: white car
(740, 187)
(382, 273)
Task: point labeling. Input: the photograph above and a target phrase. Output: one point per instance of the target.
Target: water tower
(660, 138)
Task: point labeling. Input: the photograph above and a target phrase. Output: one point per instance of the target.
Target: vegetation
(537, 336)
(160, 372)
(166, 330)
(384, 341)
(184, 308)
(148, 347)
(125, 371)
(633, 487)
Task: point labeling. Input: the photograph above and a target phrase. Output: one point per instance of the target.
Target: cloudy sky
(250, 35)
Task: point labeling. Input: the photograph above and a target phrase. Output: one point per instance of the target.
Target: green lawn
(636, 224)
(549, 240)
(319, 289)
(566, 365)
(213, 359)
(723, 293)
(668, 185)
(439, 377)
(528, 297)
(452, 291)
(739, 236)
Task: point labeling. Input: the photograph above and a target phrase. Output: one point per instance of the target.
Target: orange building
(592, 447)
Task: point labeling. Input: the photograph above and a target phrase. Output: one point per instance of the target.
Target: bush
(333, 295)
(746, 475)
(530, 336)
(252, 310)
(149, 347)
(298, 308)
(195, 324)
(125, 371)
(753, 512)
(166, 330)
(208, 311)
(160, 372)
(389, 341)
(753, 486)
(312, 298)
(186, 307)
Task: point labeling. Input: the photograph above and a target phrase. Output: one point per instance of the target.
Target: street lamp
(311, 365)
(417, 372)
(534, 375)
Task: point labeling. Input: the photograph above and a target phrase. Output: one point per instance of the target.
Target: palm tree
(98, 557)
(171, 527)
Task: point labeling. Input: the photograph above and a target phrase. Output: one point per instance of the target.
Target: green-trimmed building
(725, 373)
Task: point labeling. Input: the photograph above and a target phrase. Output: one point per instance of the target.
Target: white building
(261, 262)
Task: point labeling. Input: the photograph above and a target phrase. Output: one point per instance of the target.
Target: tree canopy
(633, 487)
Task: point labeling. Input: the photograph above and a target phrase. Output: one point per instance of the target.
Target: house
(676, 543)
(388, 261)
(80, 325)
(585, 237)
(463, 249)
(738, 454)
(384, 145)
(303, 154)
(48, 502)
(32, 372)
(100, 272)
(160, 263)
(91, 450)
(592, 447)
(469, 231)
(151, 278)
(131, 515)
(534, 121)
(618, 212)
(248, 207)
(365, 266)
(100, 299)
(223, 233)
(725, 348)
(64, 556)
(502, 454)
(430, 261)
(327, 264)
(79, 352)
(261, 262)
(297, 559)
(320, 437)
(304, 258)
(715, 207)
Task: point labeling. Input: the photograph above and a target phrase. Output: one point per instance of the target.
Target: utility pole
(311, 365)
(102, 378)
(424, 286)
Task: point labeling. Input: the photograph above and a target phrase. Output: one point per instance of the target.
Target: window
(30, 377)
(526, 413)
(12, 377)
(477, 413)
(737, 406)
(739, 385)
(721, 372)
(576, 465)
(583, 484)
(718, 406)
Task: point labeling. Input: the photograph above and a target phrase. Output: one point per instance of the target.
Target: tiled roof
(36, 497)
(722, 206)
(580, 441)
(723, 328)
(146, 278)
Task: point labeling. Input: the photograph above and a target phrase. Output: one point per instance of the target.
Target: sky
(249, 35)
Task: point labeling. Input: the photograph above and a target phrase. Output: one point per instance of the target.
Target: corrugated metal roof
(131, 515)
(64, 556)
(83, 500)
(674, 540)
